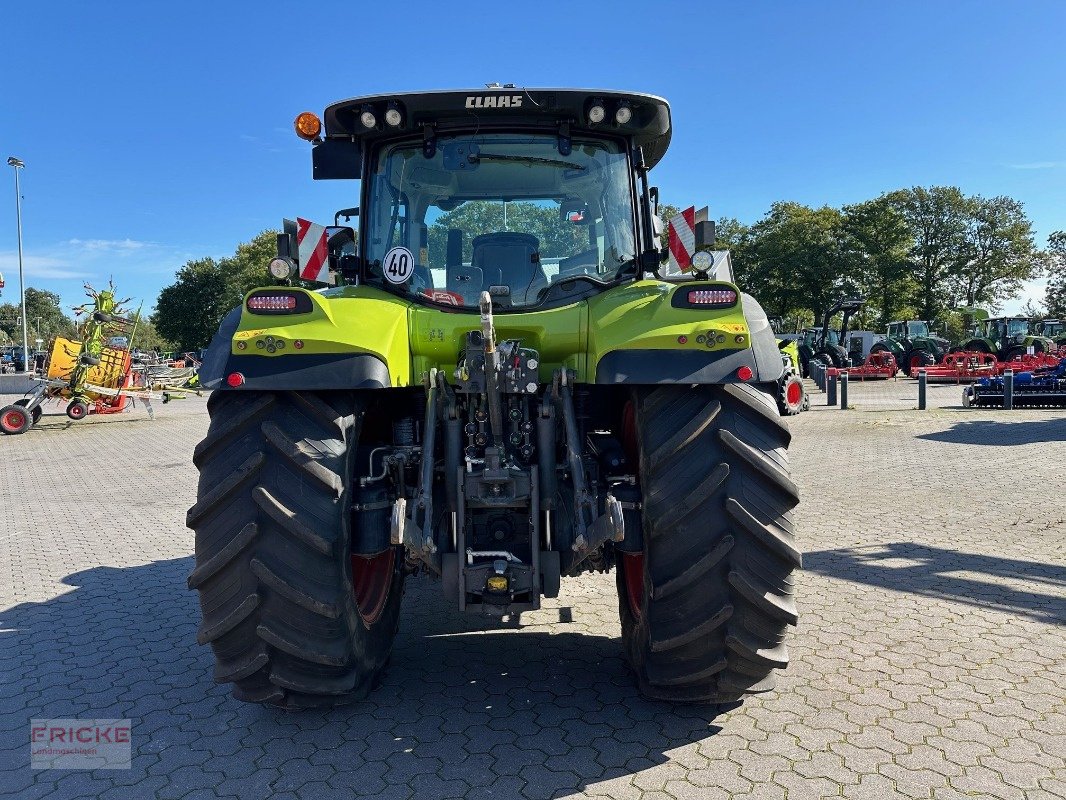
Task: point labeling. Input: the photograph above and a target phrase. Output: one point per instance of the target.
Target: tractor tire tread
(272, 565)
(719, 549)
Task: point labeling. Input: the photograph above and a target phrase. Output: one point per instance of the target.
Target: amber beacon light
(308, 126)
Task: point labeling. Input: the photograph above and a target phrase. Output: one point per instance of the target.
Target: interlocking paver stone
(929, 661)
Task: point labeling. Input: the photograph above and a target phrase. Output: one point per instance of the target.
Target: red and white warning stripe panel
(682, 239)
(313, 251)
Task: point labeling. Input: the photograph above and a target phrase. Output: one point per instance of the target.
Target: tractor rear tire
(273, 551)
(705, 606)
(916, 360)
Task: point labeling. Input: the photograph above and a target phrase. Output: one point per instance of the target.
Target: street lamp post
(17, 164)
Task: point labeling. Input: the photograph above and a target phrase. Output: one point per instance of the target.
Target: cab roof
(506, 107)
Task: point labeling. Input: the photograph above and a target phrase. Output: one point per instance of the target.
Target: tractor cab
(908, 329)
(538, 197)
(1052, 329)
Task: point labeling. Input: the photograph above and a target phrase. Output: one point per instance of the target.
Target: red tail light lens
(235, 379)
(745, 373)
(711, 297)
(276, 302)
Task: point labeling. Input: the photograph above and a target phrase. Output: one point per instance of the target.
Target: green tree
(794, 259)
(146, 337)
(1055, 257)
(877, 242)
(999, 253)
(44, 318)
(937, 218)
(246, 269)
(188, 311)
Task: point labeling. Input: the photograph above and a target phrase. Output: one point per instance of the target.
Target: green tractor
(792, 397)
(498, 390)
(1054, 329)
(913, 345)
(1006, 338)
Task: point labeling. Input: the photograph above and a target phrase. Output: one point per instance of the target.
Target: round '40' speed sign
(398, 265)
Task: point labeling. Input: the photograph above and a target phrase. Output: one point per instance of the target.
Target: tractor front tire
(790, 395)
(273, 553)
(706, 605)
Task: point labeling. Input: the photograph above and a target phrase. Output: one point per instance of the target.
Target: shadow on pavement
(999, 434)
(934, 572)
(469, 707)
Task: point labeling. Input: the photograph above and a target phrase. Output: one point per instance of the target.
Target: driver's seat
(511, 259)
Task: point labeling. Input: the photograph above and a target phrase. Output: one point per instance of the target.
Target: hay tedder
(92, 377)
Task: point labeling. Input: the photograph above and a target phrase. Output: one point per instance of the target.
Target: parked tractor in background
(1007, 338)
(827, 344)
(913, 345)
(498, 389)
(792, 397)
(1054, 329)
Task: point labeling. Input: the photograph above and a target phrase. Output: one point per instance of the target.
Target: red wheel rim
(13, 420)
(632, 564)
(794, 393)
(633, 578)
(77, 412)
(371, 581)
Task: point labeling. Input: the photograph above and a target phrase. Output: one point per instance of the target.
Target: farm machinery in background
(792, 397)
(1054, 329)
(1044, 387)
(1007, 338)
(94, 375)
(835, 350)
(913, 345)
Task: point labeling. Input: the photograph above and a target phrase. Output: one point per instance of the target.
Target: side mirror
(575, 211)
(347, 213)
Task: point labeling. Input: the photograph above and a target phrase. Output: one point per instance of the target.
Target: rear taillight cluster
(276, 302)
(711, 297)
(705, 296)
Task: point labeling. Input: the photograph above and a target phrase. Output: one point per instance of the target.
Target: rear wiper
(474, 157)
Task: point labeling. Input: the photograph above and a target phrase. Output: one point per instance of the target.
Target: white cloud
(108, 245)
(1039, 165)
(39, 267)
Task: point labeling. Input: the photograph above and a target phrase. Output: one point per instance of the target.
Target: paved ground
(930, 660)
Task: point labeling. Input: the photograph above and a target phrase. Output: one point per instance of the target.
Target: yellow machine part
(113, 364)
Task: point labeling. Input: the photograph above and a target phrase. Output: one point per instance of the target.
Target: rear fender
(639, 334)
(348, 338)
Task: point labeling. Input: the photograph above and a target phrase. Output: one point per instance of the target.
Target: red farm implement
(967, 366)
(878, 366)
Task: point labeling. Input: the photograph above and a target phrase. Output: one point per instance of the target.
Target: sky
(155, 133)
